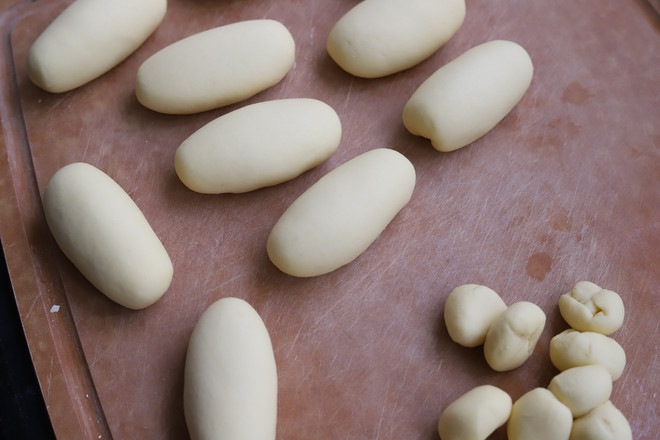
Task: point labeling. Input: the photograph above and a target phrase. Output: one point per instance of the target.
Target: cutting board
(566, 188)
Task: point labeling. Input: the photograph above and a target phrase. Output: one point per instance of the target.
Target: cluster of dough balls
(575, 405)
(540, 414)
(589, 361)
(476, 315)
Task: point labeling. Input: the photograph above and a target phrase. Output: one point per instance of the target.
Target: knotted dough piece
(588, 308)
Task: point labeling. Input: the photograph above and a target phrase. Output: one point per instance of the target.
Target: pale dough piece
(106, 236)
(215, 68)
(538, 415)
(572, 348)
(588, 308)
(605, 422)
(475, 415)
(89, 38)
(469, 311)
(582, 389)
(380, 37)
(338, 217)
(230, 380)
(258, 145)
(513, 335)
(468, 96)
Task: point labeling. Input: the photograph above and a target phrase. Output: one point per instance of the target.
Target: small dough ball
(582, 389)
(588, 308)
(539, 415)
(475, 415)
(513, 335)
(572, 348)
(605, 422)
(469, 311)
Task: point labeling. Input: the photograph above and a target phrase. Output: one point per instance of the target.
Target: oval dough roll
(89, 38)
(258, 145)
(381, 37)
(338, 217)
(215, 68)
(468, 96)
(230, 379)
(106, 236)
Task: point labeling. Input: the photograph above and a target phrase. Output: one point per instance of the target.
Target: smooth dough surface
(582, 389)
(215, 68)
(258, 145)
(89, 38)
(605, 422)
(469, 312)
(572, 348)
(105, 235)
(475, 415)
(380, 37)
(513, 335)
(588, 308)
(538, 415)
(470, 95)
(230, 380)
(338, 217)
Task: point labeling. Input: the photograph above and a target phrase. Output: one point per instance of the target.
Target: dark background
(22, 410)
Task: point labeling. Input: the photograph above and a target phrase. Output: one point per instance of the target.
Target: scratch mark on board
(295, 339)
(50, 374)
(348, 94)
(27, 315)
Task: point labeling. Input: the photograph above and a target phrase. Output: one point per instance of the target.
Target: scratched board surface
(566, 188)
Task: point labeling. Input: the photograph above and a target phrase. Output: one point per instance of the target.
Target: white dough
(572, 348)
(513, 335)
(215, 68)
(605, 422)
(258, 145)
(89, 38)
(230, 380)
(380, 37)
(538, 415)
(338, 217)
(468, 96)
(106, 236)
(469, 312)
(475, 415)
(582, 389)
(588, 308)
